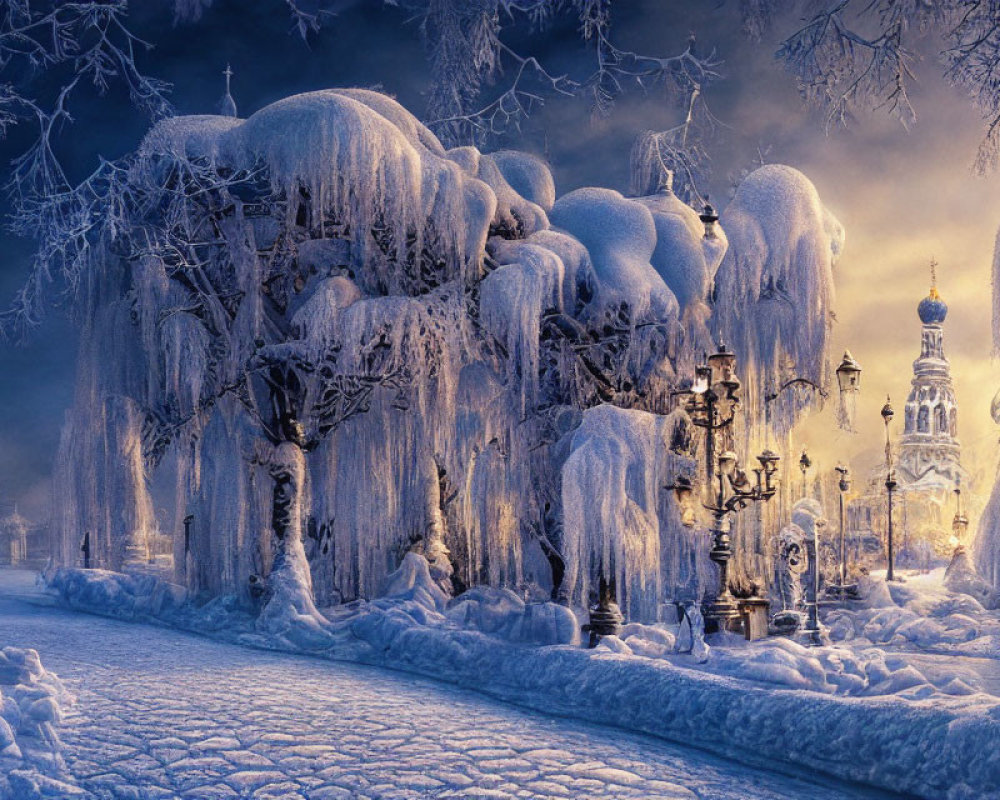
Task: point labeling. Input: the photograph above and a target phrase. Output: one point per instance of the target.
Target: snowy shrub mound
(923, 613)
(501, 613)
(117, 594)
(31, 707)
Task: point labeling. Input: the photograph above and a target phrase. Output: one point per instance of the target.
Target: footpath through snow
(161, 714)
(859, 717)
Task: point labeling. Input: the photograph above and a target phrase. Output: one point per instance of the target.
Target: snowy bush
(31, 708)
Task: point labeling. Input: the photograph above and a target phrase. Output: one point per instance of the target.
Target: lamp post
(890, 482)
(712, 404)
(843, 484)
(960, 522)
(812, 604)
(804, 463)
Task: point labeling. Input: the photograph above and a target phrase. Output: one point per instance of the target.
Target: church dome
(932, 309)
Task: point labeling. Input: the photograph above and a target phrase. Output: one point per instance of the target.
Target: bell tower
(930, 454)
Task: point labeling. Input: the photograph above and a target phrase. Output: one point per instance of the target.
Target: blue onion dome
(932, 309)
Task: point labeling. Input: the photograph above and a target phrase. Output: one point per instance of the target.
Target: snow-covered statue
(691, 634)
(773, 298)
(790, 564)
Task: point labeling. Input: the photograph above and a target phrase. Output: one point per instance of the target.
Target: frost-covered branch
(468, 53)
(855, 54)
(69, 43)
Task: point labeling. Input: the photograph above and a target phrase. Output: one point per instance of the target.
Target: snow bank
(118, 594)
(922, 613)
(912, 737)
(31, 707)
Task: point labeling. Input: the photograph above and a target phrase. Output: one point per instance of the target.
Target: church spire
(228, 105)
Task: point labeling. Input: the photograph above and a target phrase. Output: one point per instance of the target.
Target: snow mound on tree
(684, 257)
(414, 130)
(620, 236)
(527, 175)
(194, 136)
(774, 289)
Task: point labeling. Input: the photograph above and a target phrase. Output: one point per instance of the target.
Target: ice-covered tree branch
(855, 54)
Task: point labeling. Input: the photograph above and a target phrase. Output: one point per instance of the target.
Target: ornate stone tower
(929, 453)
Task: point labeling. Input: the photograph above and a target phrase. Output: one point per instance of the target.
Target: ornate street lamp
(890, 481)
(712, 403)
(804, 463)
(849, 382)
(849, 374)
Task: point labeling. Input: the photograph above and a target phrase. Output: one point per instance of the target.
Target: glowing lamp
(702, 379)
(804, 462)
(727, 463)
(887, 412)
(845, 482)
(723, 364)
(849, 374)
(769, 461)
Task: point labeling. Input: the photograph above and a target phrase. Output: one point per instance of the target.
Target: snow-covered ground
(873, 716)
(163, 714)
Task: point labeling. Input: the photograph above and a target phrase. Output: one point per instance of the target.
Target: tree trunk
(290, 611)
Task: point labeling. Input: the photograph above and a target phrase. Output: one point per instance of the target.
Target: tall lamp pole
(890, 482)
(843, 484)
(712, 403)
